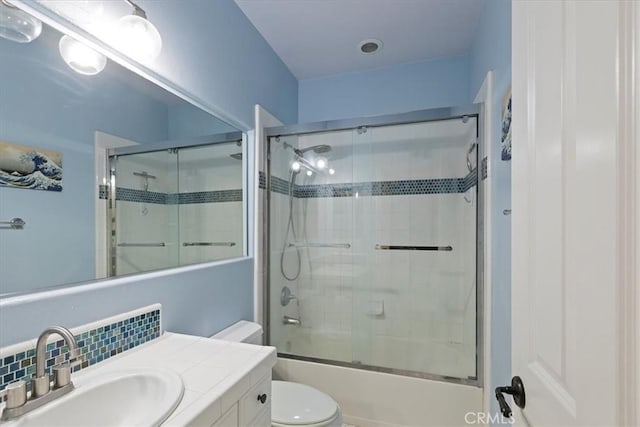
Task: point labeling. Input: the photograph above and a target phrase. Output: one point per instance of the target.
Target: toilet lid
(299, 404)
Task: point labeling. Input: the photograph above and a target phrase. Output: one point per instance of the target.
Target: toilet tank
(242, 331)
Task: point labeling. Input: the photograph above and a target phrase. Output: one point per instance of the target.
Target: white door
(568, 88)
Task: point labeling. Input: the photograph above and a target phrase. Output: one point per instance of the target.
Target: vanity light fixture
(137, 37)
(80, 57)
(17, 25)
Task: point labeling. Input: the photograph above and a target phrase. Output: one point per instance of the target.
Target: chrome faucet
(41, 383)
(41, 391)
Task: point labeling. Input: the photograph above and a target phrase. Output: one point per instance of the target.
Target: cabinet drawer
(255, 400)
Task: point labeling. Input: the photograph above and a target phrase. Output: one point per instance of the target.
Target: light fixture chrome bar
(142, 245)
(14, 224)
(413, 248)
(137, 10)
(209, 244)
(320, 245)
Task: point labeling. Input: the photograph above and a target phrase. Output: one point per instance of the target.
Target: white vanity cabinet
(225, 383)
(252, 410)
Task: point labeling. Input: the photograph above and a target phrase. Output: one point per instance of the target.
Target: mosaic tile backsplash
(95, 345)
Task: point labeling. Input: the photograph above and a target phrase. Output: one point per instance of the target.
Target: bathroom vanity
(225, 383)
(209, 382)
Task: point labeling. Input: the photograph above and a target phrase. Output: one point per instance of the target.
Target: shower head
(318, 149)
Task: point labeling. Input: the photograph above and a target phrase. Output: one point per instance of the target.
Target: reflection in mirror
(176, 207)
(56, 129)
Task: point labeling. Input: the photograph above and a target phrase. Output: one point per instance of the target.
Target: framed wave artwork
(27, 167)
(505, 143)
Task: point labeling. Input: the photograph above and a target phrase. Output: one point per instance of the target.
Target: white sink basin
(141, 397)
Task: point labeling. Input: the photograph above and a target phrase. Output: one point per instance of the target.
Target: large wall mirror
(110, 173)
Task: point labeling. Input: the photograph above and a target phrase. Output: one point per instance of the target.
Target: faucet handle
(16, 393)
(62, 372)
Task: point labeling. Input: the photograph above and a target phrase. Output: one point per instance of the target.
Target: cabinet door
(229, 419)
(256, 401)
(262, 420)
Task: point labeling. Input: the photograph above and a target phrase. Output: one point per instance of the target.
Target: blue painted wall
(187, 121)
(492, 51)
(407, 87)
(212, 50)
(198, 300)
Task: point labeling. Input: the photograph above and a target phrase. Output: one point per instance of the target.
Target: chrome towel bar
(320, 245)
(209, 244)
(413, 248)
(14, 224)
(141, 245)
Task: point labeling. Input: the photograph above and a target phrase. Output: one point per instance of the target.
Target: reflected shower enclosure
(373, 245)
(176, 206)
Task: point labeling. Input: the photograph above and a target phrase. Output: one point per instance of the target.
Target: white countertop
(215, 373)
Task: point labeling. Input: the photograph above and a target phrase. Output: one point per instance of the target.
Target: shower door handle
(516, 389)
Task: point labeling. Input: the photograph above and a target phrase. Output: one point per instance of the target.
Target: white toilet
(292, 404)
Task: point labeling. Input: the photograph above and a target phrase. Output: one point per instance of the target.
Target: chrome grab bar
(320, 245)
(14, 224)
(413, 248)
(141, 245)
(209, 244)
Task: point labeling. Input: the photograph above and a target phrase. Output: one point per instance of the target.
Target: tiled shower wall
(412, 310)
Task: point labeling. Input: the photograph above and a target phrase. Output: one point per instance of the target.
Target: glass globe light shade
(295, 166)
(80, 57)
(17, 25)
(138, 38)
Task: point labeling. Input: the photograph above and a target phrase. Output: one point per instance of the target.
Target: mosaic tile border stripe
(103, 192)
(209, 197)
(141, 196)
(95, 345)
(281, 186)
(262, 180)
(379, 188)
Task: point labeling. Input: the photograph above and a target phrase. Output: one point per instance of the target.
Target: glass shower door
(144, 224)
(373, 247)
(210, 202)
(310, 239)
(416, 230)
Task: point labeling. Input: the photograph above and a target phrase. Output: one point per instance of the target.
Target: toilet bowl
(292, 404)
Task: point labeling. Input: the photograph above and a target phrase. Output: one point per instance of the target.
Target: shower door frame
(421, 116)
(200, 141)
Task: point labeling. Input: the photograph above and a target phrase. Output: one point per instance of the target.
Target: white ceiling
(317, 38)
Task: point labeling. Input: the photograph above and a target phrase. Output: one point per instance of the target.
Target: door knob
(516, 389)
